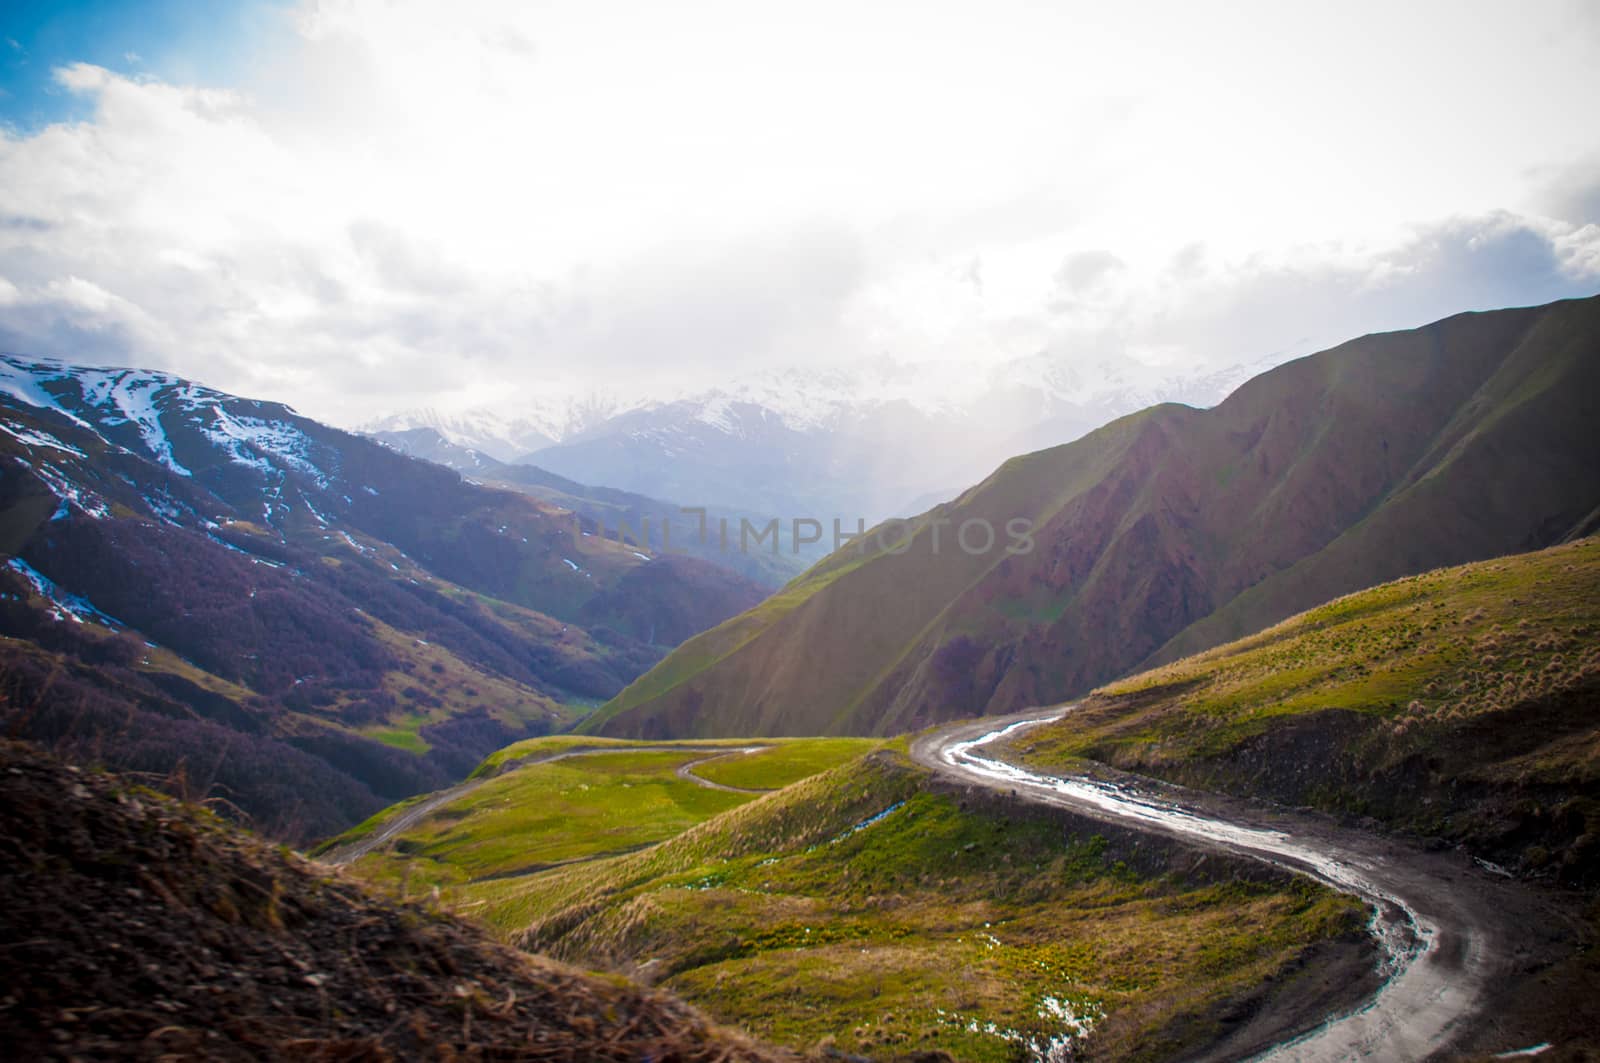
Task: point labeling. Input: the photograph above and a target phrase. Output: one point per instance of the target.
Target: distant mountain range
(308, 620)
(1167, 532)
(623, 515)
(864, 442)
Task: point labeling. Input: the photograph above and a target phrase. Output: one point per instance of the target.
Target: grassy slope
(605, 801)
(1463, 703)
(898, 577)
(948, 923)
(787, 763)
(1389, 455)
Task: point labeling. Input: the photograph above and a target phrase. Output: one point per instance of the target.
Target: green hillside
(873, 910)
(1463, 704)
(562, 799)
(1166, 532)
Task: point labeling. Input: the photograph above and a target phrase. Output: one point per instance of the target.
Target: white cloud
(404, 206)
(82, 77)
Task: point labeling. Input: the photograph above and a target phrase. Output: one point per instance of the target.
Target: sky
(363, 206)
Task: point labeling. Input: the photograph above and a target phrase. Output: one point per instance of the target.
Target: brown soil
(135, 927)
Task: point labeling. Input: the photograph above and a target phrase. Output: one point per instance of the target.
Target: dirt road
(1449, 932)
(403, 821)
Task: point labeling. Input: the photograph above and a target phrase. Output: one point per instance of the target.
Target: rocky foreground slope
(139, 928)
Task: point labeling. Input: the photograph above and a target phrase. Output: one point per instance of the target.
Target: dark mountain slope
(1525, 442)
(1390, 454)
(191, 555)
(138, 928)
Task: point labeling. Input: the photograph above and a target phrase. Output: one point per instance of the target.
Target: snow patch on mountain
(246, 438)
(24, 381)
(30, 438)
(70, 494)
(67, 606)
(133, 395)
(102, 400)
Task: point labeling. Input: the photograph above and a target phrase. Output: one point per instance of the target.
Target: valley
(551, 801)
(829, 812)
(820, 533)
(872, 908)
(924, 890)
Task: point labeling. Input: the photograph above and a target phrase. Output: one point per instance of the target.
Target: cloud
(1082, 275)
(398, 209)
(1571, 192)
(768, 299)
(82, 78)
(1225, 312)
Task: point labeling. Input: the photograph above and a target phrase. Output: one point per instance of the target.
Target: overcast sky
(360, 206)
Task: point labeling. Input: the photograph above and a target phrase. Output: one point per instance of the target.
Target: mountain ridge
(1160, 519)
(223, 585)
(852, 442)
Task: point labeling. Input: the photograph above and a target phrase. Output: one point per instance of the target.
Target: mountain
(539, 422)
(141, 928)
(848, 442)
(1166, 532)
(202, 586)
(430, 444)
(623, 515)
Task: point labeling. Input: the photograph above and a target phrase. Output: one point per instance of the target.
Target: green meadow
(870, 911)
(858, 905)
(554, 800)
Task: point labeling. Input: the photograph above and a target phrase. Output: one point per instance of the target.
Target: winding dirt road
(1448, 931)
(410, 817)
(686, 771)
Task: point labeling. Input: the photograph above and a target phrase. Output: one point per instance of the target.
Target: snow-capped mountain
(217, 574)
(496, 435)
(859, 441)
(539, 421)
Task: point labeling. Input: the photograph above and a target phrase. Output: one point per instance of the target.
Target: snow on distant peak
(823, 398)
(811, 399)
(550, 415)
